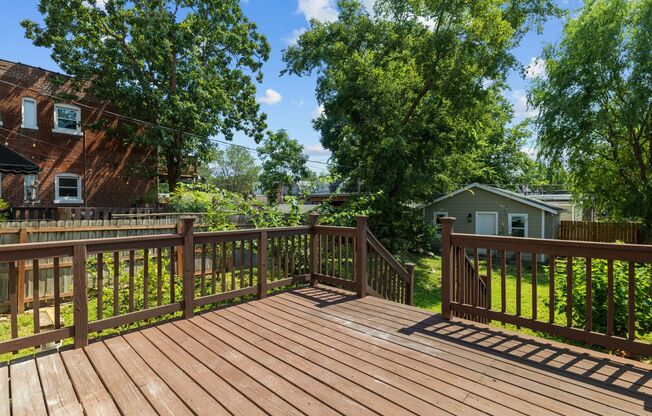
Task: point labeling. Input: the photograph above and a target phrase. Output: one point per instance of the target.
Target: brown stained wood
(519, 268)
(281, 383)
(223, 266)
(132, 266)
(145, 278)
(202, 279)
(192, 394)
(59, 394)
(219, 389)
(242, 263)
(262, 264)
(503, 284)
(36, 293)
(157, 392)
(80, 295)
(631, 300)
(26, 394)
(552, 265)
(214, 268)
(13, 299)
(57, 293)
(159, 276)
(116, 283)
(233, 264)
(4, 391)
(589, 296)
(172, 271)
(569, 291)
(249, 386)
(535, 299)
(100, 285)
(124, 392)
(251, 262)
(89, 388)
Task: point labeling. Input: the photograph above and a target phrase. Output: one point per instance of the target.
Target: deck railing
(120, 281)
(571, 270)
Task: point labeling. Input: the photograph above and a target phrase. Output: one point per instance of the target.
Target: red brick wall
(108, 160)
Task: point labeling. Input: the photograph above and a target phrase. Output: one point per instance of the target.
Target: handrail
(387, 256)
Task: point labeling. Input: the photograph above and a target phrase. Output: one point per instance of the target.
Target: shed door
(486, 223)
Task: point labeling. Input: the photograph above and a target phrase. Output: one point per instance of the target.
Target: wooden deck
(320, 351)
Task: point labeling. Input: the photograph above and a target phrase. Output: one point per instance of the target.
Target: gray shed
(483, 209)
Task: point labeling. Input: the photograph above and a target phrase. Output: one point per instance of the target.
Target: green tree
(284, 165)
(412, 95)
(234, 169)
(595, 108)
(185, 64)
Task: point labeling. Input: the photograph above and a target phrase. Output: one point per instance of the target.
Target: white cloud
(271, 97)
(318, 112)
(316, 149)
(299, 103)
(322, 10)
(521, 108)
(535, 69)
(293, 37)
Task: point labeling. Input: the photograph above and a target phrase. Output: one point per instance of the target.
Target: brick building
(78, 166)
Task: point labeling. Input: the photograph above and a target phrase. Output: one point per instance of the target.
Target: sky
(289, 101)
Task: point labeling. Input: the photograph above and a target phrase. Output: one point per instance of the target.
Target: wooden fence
(27, 213)
(611, 322)
(606, 232)
(119, 281)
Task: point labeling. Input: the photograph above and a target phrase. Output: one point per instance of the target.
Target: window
(31, 188)
(437, 216)
(67, 119)
(517, 225)
(29, 113)
(67, 188)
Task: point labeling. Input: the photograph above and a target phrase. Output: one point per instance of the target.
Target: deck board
(322, 351)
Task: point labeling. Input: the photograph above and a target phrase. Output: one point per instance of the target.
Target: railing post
(80, 295)
(361, 256)
(262, 265)
(188, 267)
(409, 296)
(446, 266)
(314, 248)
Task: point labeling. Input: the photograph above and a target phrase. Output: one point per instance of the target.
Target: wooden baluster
(223, 266)
(188, 268)
(286, 274)
(339, 256)
(172, 273)
(116, 283)
(233, 264)
(476, 278)
(489, 300)
(251, 263)
(100, 285)
(80, 296)
(57, 293)
(535, 299)
(333, 255)
(13, 298)
(159, 276)
(213, 268)
(326, 254)
(631, 301)
(569, 291)
(262, 265)
(503, 281)
(589, 295)
(242, 263)
(36, 301)
(279, 257)
(610, 297)
(202, 278)
(272, 258)
(447, 267)
(518, 284)
(145, 278)
(131, 279)
(552, 264)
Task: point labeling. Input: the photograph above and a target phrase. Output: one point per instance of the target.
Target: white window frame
(436, 214)
(38, 192)
(509, 223)
(56, 129)
(494, 213)
(22, 108)
(66, 199)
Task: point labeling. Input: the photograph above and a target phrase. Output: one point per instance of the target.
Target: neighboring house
(78, 166)
(570, 210)
(483, 209)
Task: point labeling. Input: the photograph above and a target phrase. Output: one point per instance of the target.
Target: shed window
(518, 225)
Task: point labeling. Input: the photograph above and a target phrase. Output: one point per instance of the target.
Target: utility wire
(147, 123)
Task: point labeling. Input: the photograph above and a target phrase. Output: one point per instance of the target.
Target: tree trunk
(173, 172)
